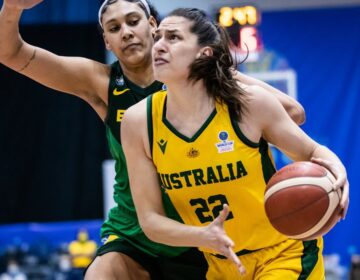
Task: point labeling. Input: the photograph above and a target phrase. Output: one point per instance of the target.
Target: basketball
(300, 201)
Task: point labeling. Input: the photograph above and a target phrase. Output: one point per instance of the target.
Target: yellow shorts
(288, 260)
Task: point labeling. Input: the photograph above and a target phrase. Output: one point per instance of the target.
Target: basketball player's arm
(74, 75)
(292, 107)
(146, 193)
(278, 129)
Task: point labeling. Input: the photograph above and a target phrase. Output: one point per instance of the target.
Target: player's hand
(220, 242)
(21, 4)
(341, 182)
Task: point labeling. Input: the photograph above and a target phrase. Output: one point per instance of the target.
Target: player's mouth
(131, 46)
(160, 61)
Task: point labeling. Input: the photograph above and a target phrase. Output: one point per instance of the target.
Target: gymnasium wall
(323, 47)
(51, 145)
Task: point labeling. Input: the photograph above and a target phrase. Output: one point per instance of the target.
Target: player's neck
(143, 76)
(188, 101)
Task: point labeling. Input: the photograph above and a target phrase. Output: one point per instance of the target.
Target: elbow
(149, 229)
(10, 54)
(297, 114)
(150, 234)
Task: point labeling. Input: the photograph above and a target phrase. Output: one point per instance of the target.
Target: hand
(21, 4)
(341, 182)
(218, 240)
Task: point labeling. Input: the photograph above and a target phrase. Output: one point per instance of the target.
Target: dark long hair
(153, 11)
(217, 70)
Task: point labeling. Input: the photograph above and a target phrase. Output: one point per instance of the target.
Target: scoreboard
(242, 24)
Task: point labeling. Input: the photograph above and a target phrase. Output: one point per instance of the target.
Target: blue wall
(62, 11)
(323, 47)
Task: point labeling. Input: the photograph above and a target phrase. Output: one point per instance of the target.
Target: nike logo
(162, 145)
(119, 92)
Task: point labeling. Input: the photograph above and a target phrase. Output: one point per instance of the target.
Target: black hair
(217, 70)
(153, 12)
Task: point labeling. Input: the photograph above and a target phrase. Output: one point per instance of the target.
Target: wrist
(11, 10)
(201, 238)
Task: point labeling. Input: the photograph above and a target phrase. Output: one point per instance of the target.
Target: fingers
(327, 164)
(344, 203)
(234, 258)
(345, 194)
(341, 182)
(227, 243)
(317, 160)
(340, 175)
(223, 215)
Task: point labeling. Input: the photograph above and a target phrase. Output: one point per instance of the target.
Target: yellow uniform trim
(111, 238)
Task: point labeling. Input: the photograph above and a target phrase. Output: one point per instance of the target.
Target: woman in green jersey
(128, 28)
(201, 143)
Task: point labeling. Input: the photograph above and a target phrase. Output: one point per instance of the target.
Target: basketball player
(128, 27)
(202, 144)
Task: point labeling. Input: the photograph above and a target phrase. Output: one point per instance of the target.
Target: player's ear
(207, 51)
(153, 25)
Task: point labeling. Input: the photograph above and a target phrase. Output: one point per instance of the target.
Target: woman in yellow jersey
(201, 144)
(127, 27)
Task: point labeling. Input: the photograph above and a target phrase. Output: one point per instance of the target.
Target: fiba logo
(225, 145)
(223, 135)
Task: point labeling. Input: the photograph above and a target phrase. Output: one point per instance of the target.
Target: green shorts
(190, 265)
(122, 246)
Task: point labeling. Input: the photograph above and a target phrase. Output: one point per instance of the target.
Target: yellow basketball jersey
(217, 165)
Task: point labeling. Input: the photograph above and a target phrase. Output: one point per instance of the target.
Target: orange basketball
(300, 201)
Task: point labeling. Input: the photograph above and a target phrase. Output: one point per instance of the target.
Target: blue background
(323, 47)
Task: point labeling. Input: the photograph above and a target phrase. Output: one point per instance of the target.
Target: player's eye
(157, 37)
(113, 28)
(173, 37)
(133, 22)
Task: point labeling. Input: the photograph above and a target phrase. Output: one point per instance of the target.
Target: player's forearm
(294, 109)
(10, 39)
(161, 229)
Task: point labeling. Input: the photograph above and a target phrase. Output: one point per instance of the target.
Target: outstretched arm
(291, 106)
(79, 76)
(146, 193)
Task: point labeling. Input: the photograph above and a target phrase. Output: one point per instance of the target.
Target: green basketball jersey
(122, 220)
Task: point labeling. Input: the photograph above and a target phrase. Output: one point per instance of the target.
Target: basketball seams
(323, 182)
(298, 169)
(333, 203)
(274, 218)
(295, 203)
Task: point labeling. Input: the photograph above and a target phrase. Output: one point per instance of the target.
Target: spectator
(13, 272)
(82, 250)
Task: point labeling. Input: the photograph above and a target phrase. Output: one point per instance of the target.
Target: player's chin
(134, 58)
(160, 74)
